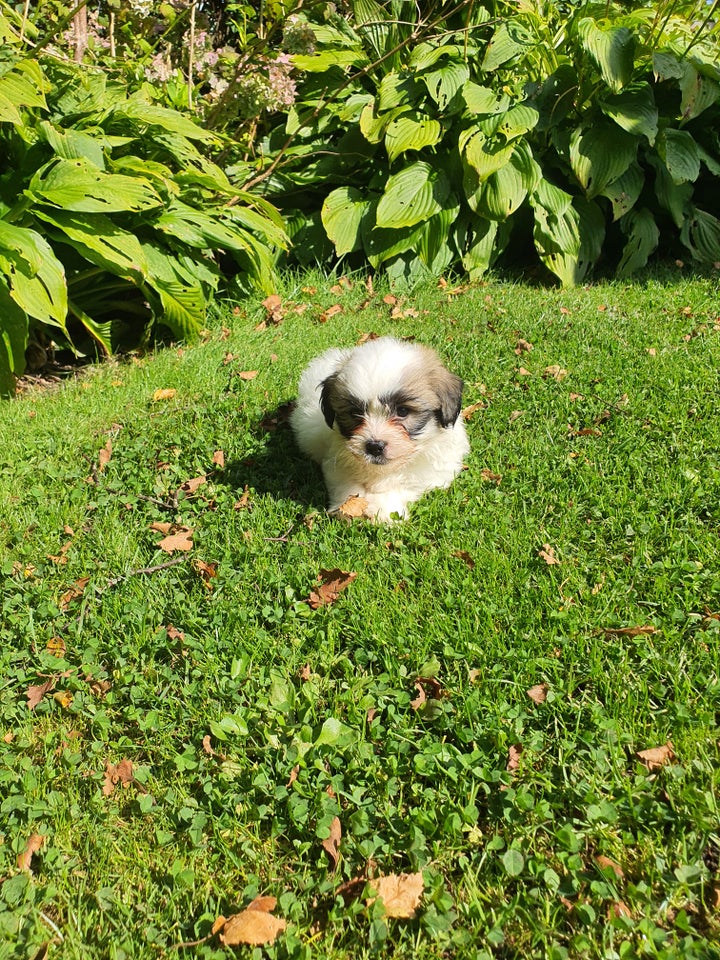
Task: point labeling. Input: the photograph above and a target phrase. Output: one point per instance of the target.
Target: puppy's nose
(375, 448)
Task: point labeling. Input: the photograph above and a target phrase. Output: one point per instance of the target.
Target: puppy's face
(386, 405)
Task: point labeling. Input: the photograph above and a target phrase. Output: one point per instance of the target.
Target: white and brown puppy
(383, 420)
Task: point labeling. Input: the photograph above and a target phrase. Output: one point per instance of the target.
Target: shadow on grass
(278, 468)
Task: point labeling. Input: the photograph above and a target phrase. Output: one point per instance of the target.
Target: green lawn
(579, 553)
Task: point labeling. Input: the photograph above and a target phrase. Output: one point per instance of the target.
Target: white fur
(430, 459)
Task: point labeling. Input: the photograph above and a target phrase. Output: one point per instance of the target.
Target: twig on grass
(142, 570)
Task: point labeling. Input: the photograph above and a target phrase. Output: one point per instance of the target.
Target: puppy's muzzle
(375, 451)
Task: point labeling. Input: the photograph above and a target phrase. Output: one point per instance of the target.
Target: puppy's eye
(402, 411)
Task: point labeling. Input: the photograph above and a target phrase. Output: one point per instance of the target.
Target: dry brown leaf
(646, 630)
(538, 693)
(24, 860)
(207, 746)
(244, 501)
(118, 774)
(465, 557)
(524, 372)
(104, 456)
(332, 583)
(400, 893)
(305, 673)
(331, 845)
(330, 312)
(255, 925)
(473, 408)
(515, 415)
(74, 593)
(514, 754)
(164, 394)
(219, 459)
(56, 647)
(207, 571)
(548, 555)
(656, 757)
(619, 909)
(523, 346)
(605, 863)
(293, 775)
(353, 507)
(274, 308)
(60, 557)
(177, 537)
(190, 486)
(173, 633)
(556, 372)
(248, 374)
(421, 697)
(489, 477)
(714, 898)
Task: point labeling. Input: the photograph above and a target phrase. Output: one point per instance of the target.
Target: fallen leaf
(64, 698)
(56, 647)
(514, 754)
(74, 593)
(330, 312)
(332, 583)
(353, 507)
(118, 774)
(556, 372)
(390, 299)
(207, 747)
(248, 374)
(190, 486)
(306, 673)
(473, 408)
(104, 456)
(99, 688)
(619, 909)
(60, 557)
(177, 537)
(421, 697)
(273, 306)
(255, 925)
(219, 459)
(523, 372)
(538, 693)
(656, 757)
(645, 630)
(523, 346)
(605, 863)
(24, 860)
(173, 633)
(548, 555)
(714, 898)
(207, 571)
(400, 893)
(465, 557)
(164, 394)
(515, 415)
(244, 501)
(489, 477)
(293, 775)
(331, 845)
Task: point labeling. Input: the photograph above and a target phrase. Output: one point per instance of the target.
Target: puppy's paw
(386, 508)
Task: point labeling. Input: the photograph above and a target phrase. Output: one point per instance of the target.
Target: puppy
(383, 420)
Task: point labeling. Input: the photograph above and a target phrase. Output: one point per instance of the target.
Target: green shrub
(585, 132)
(113, 219)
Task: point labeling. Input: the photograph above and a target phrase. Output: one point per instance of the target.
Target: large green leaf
(398, 90)
(634, 110)
(519, 119)
(203, 229)
(374, 124)
(679, 151)
(140, 111)
(71, 144)
(483, 100)
(698, 93)
(375, 25)
(503, 192)
(612, 50)
(643, 234)
(510, 39)
(411, 133)
(79, 185)
(701, 235)
(177, 300)
(485, 154)
(13, 340)
(35, 276)
(433, 245)
(600, 154)
(673, 197)
(444, 83)
(624, 192)
(342, 215)
(24, 85)
(414, 194)
(479, 254)
(557, 231)
(100, 241)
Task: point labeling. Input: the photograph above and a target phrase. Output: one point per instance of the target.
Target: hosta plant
(113, 219)
(583, 133)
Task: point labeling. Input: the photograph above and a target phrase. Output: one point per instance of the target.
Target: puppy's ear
(449, 390)
(329, 387)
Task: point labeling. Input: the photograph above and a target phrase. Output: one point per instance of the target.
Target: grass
(539, 830)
